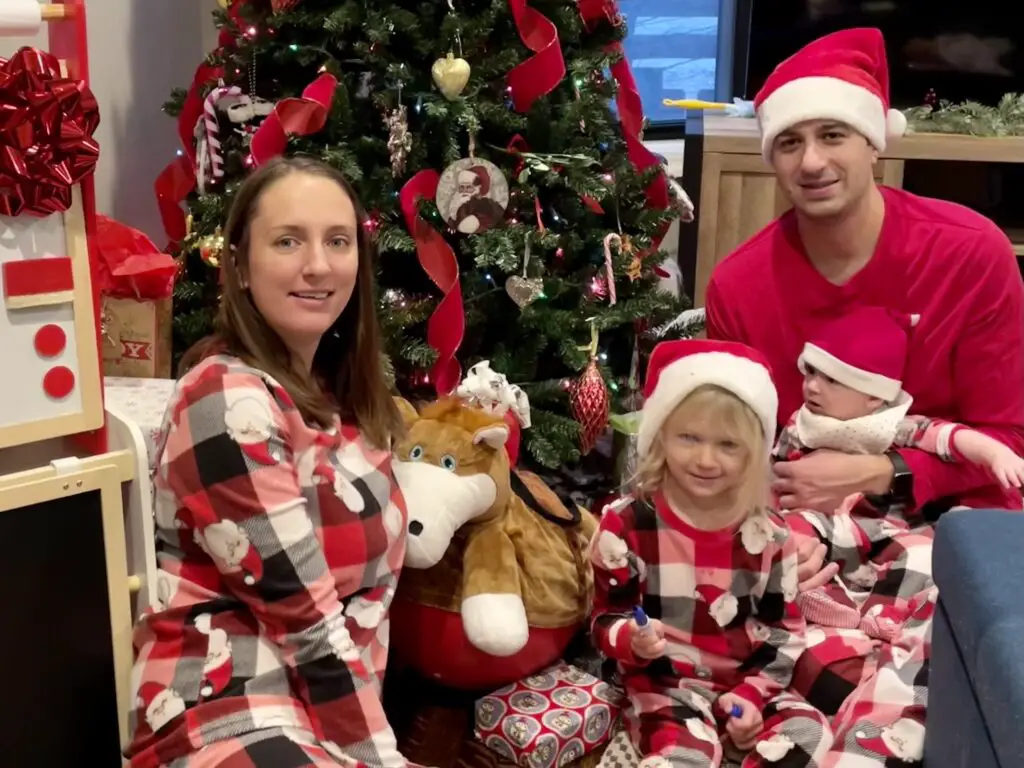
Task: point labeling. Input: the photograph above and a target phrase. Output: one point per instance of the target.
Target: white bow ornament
(491, 391)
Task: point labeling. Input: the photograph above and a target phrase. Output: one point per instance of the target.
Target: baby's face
(825, 396)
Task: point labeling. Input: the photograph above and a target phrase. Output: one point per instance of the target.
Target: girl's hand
(1008, 468)
(742, 730)
(649, 642)
(812, 571)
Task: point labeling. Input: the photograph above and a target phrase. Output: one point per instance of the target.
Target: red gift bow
(447, 325)
(47, 121)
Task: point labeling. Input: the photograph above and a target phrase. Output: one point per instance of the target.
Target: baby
(854, 402)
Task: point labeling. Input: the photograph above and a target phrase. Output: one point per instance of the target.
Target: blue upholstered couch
(976, 695)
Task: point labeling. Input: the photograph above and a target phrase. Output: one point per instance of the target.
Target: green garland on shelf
(970, 117)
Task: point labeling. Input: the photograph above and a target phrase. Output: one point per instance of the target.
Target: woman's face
(303, 258)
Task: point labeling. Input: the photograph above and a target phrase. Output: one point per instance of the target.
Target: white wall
(139, 50)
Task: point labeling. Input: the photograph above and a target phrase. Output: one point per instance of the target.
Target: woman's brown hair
(348, 373)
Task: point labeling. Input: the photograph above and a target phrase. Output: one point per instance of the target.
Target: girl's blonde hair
(739, 420)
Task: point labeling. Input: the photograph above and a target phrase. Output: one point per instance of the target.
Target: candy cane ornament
(610, 238)
(212, 130)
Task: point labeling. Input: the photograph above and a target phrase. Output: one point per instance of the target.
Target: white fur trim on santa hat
(827, 98)
(873, 384)
(748, 380)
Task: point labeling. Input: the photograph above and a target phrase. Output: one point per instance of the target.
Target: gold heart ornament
(451, 75)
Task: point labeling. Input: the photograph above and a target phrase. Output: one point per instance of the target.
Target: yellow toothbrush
(694, 104)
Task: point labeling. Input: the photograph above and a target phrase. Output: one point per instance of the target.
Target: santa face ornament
(472, 196)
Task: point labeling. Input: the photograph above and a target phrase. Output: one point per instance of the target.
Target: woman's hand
(649, 642)
(744, 729)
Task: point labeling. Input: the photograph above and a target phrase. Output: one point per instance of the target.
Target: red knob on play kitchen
(51, 341)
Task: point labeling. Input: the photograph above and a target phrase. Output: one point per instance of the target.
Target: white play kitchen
(67, 583)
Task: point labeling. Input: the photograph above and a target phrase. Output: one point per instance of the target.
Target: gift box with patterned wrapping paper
(549, 719)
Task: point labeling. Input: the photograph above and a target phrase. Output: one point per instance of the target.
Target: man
(824, 118)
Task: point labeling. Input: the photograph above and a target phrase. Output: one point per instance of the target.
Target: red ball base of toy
(431, 642)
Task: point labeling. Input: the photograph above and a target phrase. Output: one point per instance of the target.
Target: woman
(282, 529)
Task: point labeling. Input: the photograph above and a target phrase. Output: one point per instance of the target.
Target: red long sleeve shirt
(945, 262)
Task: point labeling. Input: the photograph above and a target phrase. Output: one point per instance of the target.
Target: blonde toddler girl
(700, 553)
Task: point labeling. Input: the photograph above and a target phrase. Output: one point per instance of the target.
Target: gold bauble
(211, 248)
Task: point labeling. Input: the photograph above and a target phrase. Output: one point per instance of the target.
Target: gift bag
(549, 719)
(136, 282)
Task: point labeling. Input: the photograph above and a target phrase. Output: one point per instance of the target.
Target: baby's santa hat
(843, 76)
(677, 368)
(865, 349)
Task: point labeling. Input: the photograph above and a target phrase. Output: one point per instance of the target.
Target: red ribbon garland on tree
(177, 180)
(299, 117)
(542, 72)
(447, 325)
(47, 122)
(631, 108)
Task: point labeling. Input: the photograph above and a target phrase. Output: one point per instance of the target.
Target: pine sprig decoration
(970, 118)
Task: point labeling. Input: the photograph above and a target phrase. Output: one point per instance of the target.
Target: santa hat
(865, 349)
(843, 76)
(147, 692)
(677, 368)
(218, 668)
(483, 178)
(903, 739)
(159, 704)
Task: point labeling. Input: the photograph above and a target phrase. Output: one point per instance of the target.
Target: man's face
(468, 185)
(825, 167)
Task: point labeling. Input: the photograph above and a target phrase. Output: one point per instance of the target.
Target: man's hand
(648, 643)
(822, 479)
(812, 571)
(742, 730)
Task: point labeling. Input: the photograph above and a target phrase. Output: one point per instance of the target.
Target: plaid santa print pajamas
(725, 599)
(869, 666)
(281, 546)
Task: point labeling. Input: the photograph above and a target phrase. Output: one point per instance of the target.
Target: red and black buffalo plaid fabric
(281, 546)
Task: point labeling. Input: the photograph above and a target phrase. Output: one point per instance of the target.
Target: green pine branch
(382, 54)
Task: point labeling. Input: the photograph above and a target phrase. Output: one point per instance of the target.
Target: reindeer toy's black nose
(415, 527)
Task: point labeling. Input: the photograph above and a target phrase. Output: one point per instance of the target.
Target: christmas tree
(517, 214)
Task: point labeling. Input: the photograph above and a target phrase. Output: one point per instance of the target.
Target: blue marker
(642, 622)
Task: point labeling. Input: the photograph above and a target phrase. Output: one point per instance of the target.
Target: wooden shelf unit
(737, 194)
